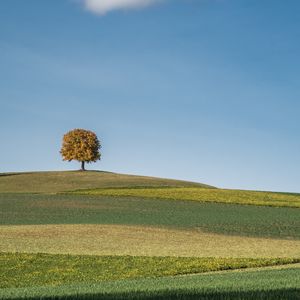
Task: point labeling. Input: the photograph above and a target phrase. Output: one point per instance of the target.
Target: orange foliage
(81, 145)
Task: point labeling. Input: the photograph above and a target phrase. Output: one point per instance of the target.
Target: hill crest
(60, 181)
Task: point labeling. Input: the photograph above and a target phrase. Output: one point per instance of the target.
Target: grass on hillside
(160, 223)
(242, 220)
(100, 239)
(203, 195)
(53, 182)
(25, 270)
(263, 284)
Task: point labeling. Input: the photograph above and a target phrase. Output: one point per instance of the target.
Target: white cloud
(103, 6)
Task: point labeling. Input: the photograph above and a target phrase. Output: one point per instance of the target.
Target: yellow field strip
(203, 195)
(246, 270)
(138, 241)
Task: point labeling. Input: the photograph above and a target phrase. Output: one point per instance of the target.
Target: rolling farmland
(97, 234)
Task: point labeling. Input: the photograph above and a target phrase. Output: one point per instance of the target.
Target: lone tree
(81, 145)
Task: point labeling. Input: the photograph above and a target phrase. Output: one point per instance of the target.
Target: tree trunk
(82, 166)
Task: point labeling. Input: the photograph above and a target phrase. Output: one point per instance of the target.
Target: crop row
(24, 270)
(263, 284)
(203, 195)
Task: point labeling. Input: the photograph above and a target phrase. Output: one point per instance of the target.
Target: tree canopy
(81, 145)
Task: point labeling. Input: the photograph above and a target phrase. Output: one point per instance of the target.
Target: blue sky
(203, 90)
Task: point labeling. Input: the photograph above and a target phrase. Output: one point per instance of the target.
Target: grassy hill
(52, 182)
(265, 284)
(102, 235)
(201, 195)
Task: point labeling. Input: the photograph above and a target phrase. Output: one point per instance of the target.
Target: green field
(257, 221)
(277, 283)
(25, 270)
(202, 195)
(53, 182)
(101, 235)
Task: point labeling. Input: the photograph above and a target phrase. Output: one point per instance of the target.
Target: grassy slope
(139, 240)
(256, 221)
(212, 217)
(264, 284)
(25, 270)
(52, 182)
(203, 195)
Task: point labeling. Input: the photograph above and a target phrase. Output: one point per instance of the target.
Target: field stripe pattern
(202, 195)
(24, 270)
(263, 284)
(241, 220)
(134, 237)
(138, 240)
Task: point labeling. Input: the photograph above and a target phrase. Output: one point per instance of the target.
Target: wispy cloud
(104, 6)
